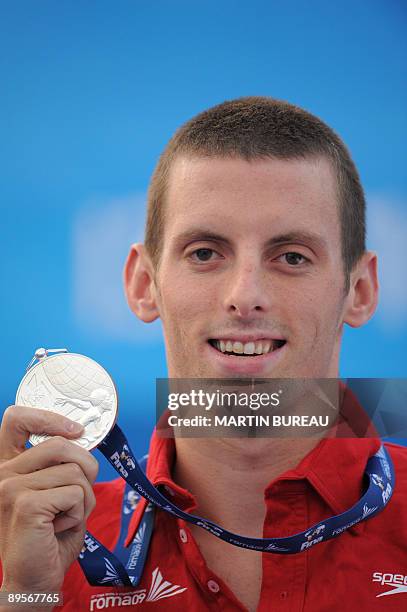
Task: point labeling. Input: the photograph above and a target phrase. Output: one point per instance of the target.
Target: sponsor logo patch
(397, 582)
(159, 589)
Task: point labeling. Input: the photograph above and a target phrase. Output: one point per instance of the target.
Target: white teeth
(258, 349)
(238, 347)
(261, 347)
(248, 348)
(266, 346)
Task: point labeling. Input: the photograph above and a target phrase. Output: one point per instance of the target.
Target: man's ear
(361, 301)
(139, 284)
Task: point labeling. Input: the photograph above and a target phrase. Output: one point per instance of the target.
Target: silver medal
(72, 385)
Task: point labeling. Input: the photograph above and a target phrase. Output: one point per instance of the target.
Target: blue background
(90, 94)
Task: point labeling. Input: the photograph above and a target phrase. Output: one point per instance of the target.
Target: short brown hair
(257, 128)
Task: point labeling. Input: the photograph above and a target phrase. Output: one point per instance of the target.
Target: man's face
(251, 258)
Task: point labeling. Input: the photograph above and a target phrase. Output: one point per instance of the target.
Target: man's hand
(45, 498)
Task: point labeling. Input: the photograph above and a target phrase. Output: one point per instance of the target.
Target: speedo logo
(398, 582)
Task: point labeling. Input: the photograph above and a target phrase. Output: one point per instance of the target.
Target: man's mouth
(246, 349)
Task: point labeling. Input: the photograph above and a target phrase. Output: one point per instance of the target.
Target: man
(254, 260)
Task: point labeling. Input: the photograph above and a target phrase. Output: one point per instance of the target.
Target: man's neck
(228, 476)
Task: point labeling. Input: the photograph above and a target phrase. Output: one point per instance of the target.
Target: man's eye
(292, 258)
(202, 255)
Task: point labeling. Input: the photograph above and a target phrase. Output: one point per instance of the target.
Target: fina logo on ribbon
(378, 481)
(89, 545)
(126, 457)
(311, 539)
(123, 457)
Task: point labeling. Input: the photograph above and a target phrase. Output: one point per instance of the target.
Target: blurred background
(90, 93)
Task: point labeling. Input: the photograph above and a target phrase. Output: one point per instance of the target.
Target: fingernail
(73, 427)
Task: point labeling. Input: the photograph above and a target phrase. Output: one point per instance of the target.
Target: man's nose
(245, 290)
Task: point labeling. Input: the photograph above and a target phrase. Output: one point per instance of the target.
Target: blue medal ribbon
(124, 568)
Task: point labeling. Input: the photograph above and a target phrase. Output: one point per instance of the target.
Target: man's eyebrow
(294, 236)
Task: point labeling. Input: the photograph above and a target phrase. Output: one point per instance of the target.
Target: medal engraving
(76, 387)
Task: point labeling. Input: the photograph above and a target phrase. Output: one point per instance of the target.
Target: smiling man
(254, 260)
(251, 256)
